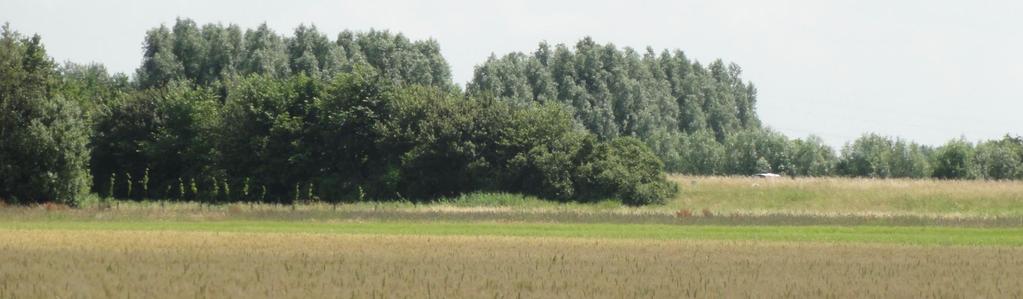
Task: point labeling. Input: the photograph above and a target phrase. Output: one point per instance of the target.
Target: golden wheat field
(155, 264)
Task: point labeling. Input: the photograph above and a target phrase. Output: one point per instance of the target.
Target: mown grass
(943, 236)
(174, 264)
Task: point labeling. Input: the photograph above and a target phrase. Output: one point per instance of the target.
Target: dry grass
(851, 196)
(718, 215)
(702, 200)
(57, 263)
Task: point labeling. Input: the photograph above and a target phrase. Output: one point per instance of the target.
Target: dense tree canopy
(43, 135)
(619, 92)
(1000, 159)
(664, 99)
(881, 157)
(217, 113)
(213, 54)
(167, 129)
(701, 119)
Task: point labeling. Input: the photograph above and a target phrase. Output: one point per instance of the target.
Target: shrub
(624, 168)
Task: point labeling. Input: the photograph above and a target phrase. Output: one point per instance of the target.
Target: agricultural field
(720, 237)
(239, 159)
(147, 264)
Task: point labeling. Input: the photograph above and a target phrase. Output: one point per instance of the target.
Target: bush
(624, 168)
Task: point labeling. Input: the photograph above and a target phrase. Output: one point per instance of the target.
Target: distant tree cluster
(216, 115)
(615, 92)
(702, 119)
(698, 119)
(214, 54)
(871, 155)
(875, 156)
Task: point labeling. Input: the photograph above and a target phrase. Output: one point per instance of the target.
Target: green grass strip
(940, 236)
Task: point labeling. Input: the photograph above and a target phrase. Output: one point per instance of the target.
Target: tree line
(702, 119)
(218, 114)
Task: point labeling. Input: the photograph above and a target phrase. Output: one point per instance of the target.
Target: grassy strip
(608, 213)
(850, 195)
(940, 236)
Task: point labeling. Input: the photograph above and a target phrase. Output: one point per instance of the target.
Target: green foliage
(214, 187)
(245, 189)
(397, 59)
(953, 160)
(265, 131)
(620, 92)
(310, 194)
(910, 160)
(756, 151)
(1000, 159)
(624, 168)
(700, 153)
(110, 187)
(811, 157)
(215, 54)
(168, 129)
(226, 195)
(145, 184)
(181, 188)
(193, 190)
(374, 114)
(43, 152)
(128, 182)
(877, 156)
(91, 86)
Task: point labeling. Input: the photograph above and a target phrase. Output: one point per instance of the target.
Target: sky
(927, 71)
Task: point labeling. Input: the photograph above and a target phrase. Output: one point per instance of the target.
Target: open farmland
(330, 150)
(101, 263)
(721, 237)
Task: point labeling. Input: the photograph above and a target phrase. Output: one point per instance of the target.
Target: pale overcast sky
(923, 70)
